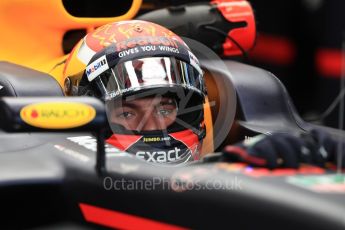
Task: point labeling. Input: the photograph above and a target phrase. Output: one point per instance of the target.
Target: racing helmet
(148, 63)
(100, 38)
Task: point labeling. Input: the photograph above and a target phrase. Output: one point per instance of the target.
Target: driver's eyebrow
(133, 104)
(167, 103)
(129, 104)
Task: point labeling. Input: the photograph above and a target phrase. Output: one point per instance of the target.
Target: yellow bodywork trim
(32, 32)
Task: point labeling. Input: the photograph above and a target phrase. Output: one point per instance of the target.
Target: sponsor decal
(151, 139)
(57, 115)
(128, 52)
(156, 139)
(113, 94)
(96, 68)
(150, 48)
(145, 41)
(160, 156)
(334, 183)
(168, 49)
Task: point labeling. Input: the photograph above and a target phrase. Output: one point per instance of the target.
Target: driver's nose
(152, 123)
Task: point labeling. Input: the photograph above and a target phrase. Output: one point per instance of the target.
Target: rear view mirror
(56, 114)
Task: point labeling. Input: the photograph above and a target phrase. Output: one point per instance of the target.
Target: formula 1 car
(58, 173)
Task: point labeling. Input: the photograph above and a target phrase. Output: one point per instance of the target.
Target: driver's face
(152, 113)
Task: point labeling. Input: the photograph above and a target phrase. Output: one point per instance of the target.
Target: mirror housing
(56, 114)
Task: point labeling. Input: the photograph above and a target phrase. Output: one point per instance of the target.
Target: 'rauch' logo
(58, 115)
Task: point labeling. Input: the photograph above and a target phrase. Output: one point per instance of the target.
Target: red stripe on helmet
(187, 137)
(123, 142)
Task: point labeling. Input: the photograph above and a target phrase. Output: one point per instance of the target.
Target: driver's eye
(164, 112)
(125, 115)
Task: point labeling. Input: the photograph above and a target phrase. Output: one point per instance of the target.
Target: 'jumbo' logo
(57, 115)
